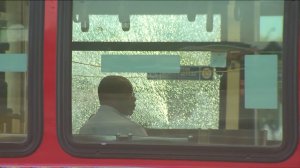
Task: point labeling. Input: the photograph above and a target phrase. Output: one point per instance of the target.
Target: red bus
(215, 83)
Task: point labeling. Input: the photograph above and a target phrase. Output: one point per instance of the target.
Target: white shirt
(108, 121)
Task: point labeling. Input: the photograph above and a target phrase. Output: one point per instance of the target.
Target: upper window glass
(180, 73)
(17, 76)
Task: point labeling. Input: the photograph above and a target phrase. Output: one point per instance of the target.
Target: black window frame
(35, 86)
(216, 153)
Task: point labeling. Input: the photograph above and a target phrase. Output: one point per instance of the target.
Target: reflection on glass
(13, 68)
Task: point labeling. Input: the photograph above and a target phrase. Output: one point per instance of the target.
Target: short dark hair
(113, 85)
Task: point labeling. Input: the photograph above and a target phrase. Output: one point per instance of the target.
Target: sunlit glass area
(13, 70)
(178, 72)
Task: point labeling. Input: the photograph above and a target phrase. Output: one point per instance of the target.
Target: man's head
(117, 92)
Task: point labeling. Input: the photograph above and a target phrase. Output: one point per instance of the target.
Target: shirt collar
(112, 109)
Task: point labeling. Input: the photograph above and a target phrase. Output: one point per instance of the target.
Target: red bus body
(50, 153)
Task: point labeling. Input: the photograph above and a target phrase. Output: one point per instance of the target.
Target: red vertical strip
(49, 143)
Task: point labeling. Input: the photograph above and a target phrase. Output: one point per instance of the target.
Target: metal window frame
(35, 86)
(217, 153)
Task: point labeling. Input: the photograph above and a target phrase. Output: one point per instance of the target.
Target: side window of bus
(190, 74)
(17, 77)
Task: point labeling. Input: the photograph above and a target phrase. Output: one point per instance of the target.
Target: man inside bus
(117, 103)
